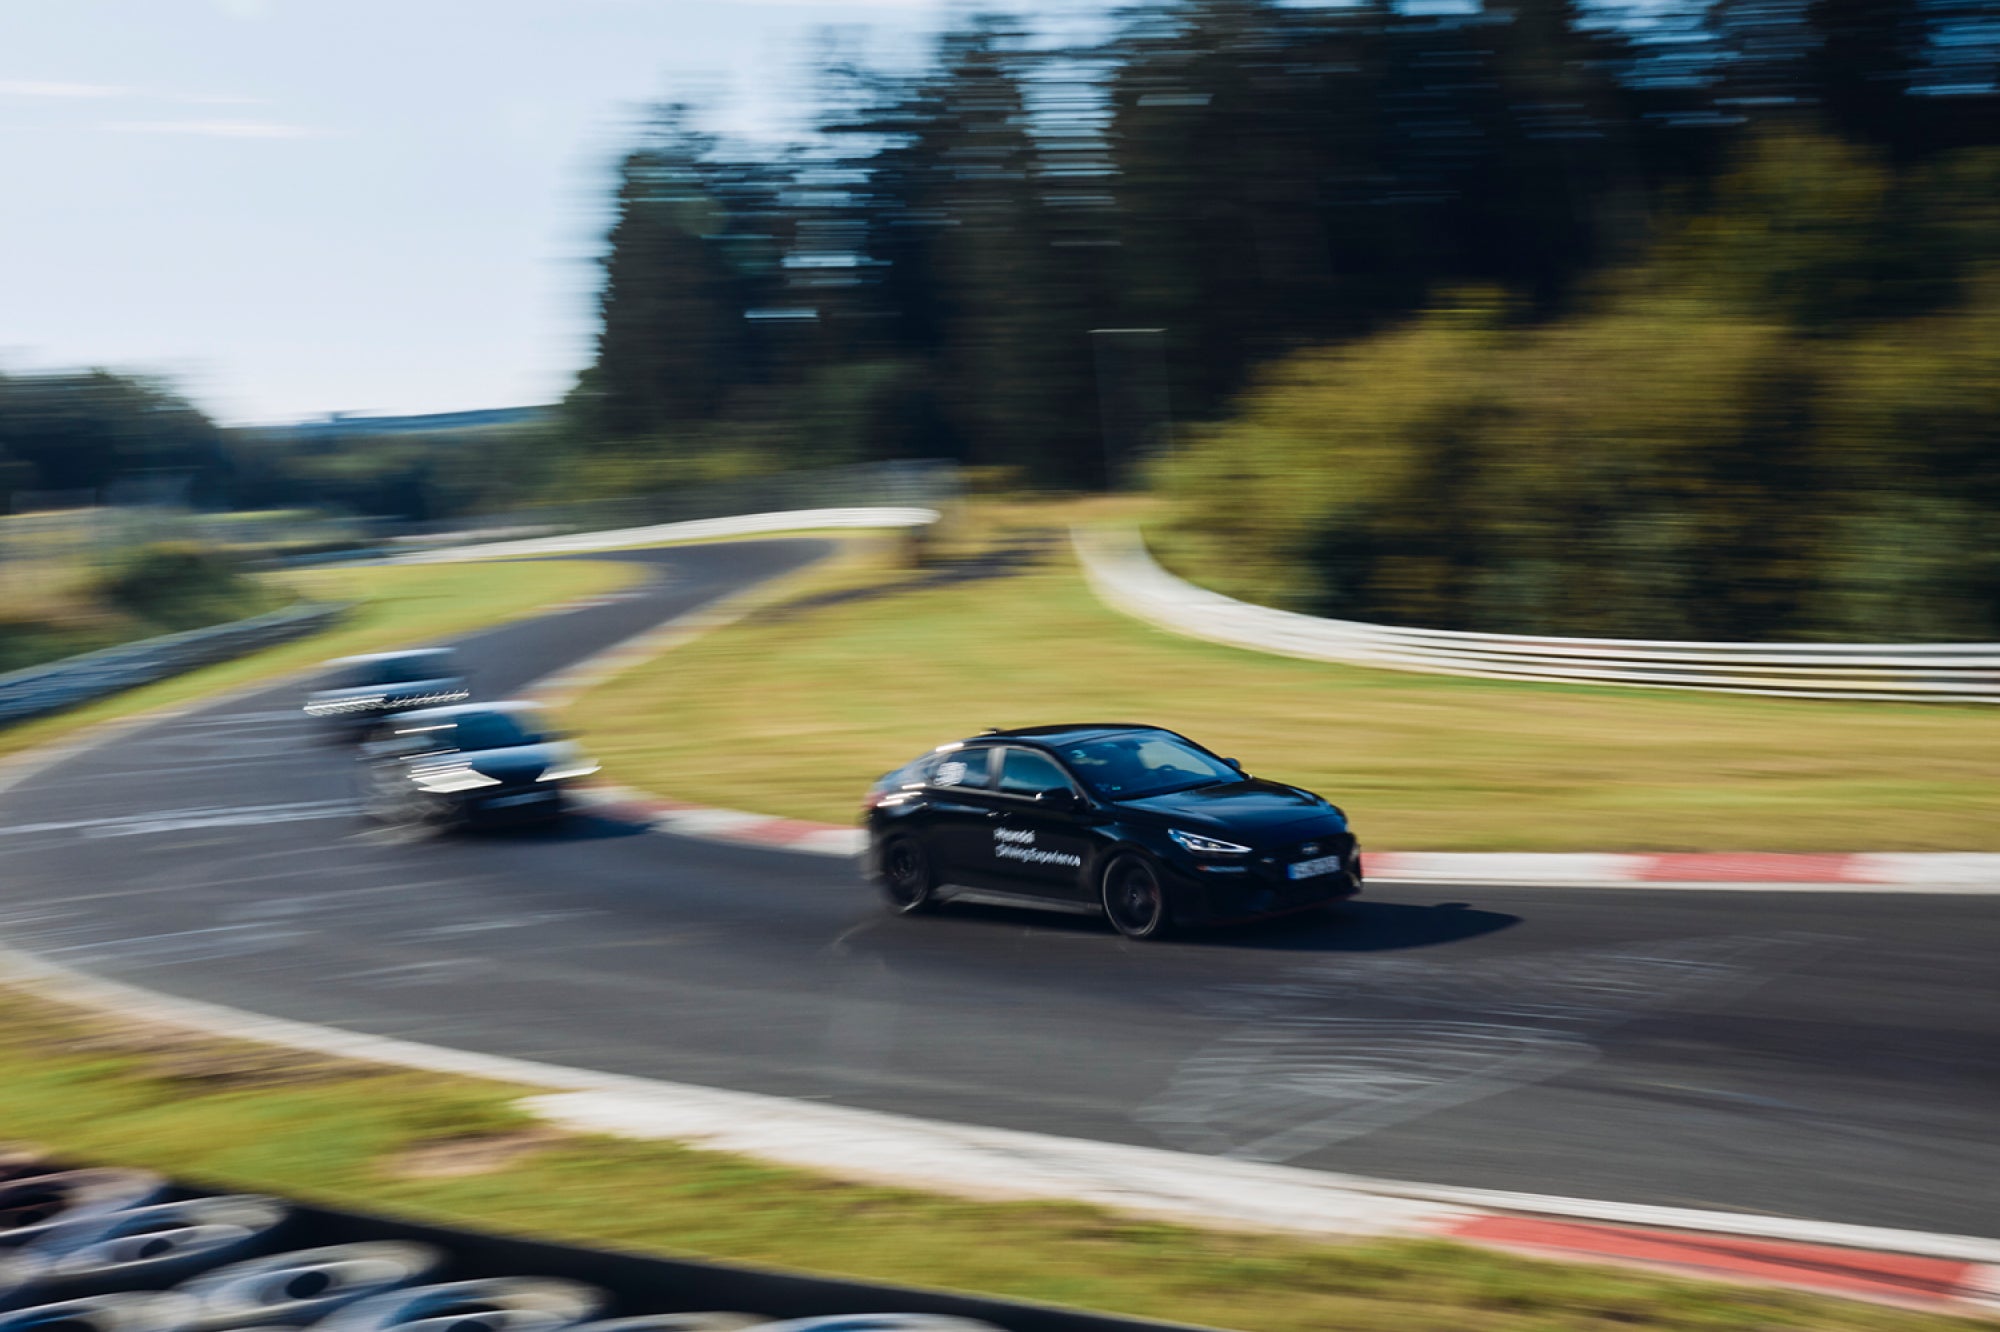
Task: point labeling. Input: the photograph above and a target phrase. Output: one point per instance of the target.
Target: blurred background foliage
(1662, 318)
(1781, 424)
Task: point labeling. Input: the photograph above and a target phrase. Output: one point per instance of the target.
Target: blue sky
(303, 206)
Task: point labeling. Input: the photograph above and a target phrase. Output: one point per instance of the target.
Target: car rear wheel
(1134, 899)
(906, 875)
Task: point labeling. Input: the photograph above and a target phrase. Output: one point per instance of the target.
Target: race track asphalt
(1827, 1056)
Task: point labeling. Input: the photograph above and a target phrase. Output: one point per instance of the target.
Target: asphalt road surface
(1829, 1056)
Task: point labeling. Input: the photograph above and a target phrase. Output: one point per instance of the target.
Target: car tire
(1134, 897)
(907, 878)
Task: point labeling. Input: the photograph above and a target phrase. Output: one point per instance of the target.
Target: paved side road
(1826, 1056)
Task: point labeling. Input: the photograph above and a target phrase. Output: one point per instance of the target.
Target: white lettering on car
(1019, 844)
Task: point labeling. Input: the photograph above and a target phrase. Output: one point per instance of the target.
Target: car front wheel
(1135, 901)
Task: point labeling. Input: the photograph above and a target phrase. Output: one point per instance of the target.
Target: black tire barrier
(122, 1311)
(21, 1274)
(33, 1204)
(146, 1248)
(304, 1286)
(879, 1323)
(495, 1304)
(471, 1281)
(716, 1321)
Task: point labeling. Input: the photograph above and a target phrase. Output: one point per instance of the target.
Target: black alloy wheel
(906, 875)
(1134, 900)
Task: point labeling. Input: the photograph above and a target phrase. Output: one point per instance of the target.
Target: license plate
(531, 798)
(1310, 869)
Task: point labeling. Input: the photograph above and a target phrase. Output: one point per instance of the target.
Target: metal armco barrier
(265, 1265)
(1124, 575)
(56, 685)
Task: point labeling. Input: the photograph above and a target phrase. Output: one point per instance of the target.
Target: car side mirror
(1234, 763)
(1059, 798)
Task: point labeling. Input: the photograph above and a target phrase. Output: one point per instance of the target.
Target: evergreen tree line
(76, 437)
(85, 437)
(1249, 177)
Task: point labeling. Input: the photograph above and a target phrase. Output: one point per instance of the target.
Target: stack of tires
(99, 1250)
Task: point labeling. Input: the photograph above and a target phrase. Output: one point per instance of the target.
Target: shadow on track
(1354, 927)
(575, 827)
(1361, 927)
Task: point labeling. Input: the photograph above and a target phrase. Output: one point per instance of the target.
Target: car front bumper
(533, 805)
(1216, 895)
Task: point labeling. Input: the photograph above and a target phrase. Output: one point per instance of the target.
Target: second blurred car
(362, 691)
(473, 763)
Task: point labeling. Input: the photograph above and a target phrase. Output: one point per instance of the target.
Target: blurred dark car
(469, 764)
(1136, 822)
(361, 691)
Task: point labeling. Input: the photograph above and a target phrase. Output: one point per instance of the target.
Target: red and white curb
(1890, 1277)
(1927, 872)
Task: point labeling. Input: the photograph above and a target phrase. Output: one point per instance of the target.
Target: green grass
(395, 606)
(239, 1116)
(795, 713)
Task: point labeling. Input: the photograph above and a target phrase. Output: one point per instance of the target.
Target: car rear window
(397, 670)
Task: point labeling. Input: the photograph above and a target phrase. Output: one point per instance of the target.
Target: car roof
(402, 655)
(452, 712)
(1066, 732)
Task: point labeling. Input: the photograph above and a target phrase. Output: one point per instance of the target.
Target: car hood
(515, 763)
(1249, 808)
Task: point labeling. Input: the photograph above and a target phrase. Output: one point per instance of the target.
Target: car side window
(1027, 772)
(962, 767)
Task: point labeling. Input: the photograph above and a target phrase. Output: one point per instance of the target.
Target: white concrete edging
(702, 529)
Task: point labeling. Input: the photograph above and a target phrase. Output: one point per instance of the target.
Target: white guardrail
(700, 529)
(1124, 575)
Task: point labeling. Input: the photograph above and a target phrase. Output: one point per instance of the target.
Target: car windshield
(399, 670)
(1146, 763)
(491, 730)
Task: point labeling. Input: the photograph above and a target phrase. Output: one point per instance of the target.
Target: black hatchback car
(1138, 822)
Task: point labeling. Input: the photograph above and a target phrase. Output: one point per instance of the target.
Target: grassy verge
(795, 711)
(51, 608)
(241, 1116)
(395, 605)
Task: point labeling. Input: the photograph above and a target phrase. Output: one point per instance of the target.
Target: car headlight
(450, 781)
(567, 769)
(1206, 846)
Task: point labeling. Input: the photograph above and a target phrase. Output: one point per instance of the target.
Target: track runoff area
(1786, 1085)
